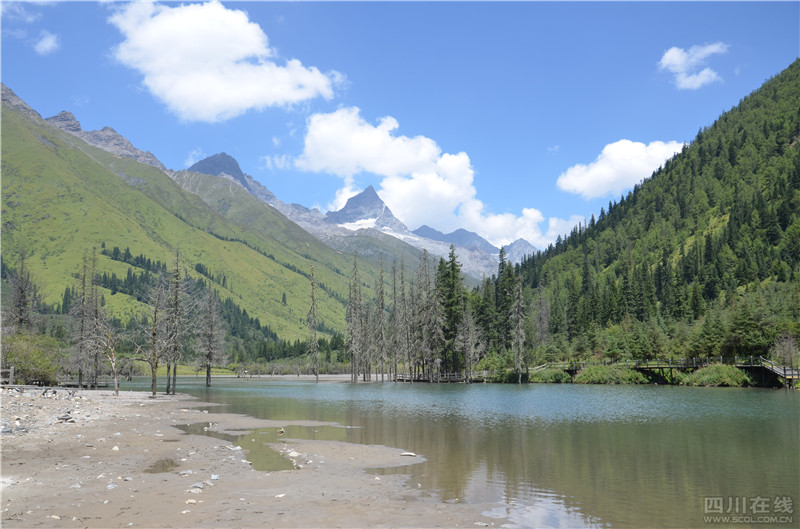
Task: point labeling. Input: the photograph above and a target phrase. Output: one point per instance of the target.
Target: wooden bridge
(444, 378)
(103, 381)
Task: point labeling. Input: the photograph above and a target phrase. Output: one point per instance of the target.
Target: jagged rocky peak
(106, 138)
(518, 250)
(220, 165)
(366, 210)
(65, 121)
(365, 205)
(13, 102)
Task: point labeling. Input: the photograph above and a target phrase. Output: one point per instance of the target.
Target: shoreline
(83, 461)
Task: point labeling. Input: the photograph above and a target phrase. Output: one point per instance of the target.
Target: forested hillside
(703, 258)
(62, 198)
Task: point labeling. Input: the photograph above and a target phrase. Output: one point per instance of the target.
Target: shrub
(716, 375)
(551, 375)
(35, 357)
(609, 374)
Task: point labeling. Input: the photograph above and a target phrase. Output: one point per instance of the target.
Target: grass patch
(183, 370)
(717, 375)
(551, 375)
(609, 374)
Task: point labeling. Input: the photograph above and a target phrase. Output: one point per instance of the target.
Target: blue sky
(511, 119)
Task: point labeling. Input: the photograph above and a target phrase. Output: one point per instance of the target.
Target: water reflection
(550, 456)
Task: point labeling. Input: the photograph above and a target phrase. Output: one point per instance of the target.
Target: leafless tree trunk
(518, 319)
(355, 323)
(541, 317)
(211, 334)
(106, 340)
(313, 343)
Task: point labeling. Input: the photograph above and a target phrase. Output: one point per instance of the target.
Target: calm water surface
(550, 455)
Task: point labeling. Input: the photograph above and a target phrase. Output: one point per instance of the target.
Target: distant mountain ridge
(107, 139)
(460, 237)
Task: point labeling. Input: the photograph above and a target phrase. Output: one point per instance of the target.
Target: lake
(553, 455)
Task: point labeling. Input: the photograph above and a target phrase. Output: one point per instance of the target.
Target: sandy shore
(81, 461)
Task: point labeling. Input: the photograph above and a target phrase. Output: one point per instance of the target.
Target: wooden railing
(7, 376)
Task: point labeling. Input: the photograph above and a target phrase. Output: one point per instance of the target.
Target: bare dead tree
(541, 317)
(785, 349)
(211, 334)
(93, 313)
(80, 314)
(469, 340)
(106, 340)
(355, 323)
(379, 325)
(518, 340)
(156, 338)
(180, 313)
(313, 343)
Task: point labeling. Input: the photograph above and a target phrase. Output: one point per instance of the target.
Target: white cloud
(209, 63)
(419, 183)
(276, 162)
(47, 43)
(194, 156)
(18, 12)
(688, 65)
(621, 165)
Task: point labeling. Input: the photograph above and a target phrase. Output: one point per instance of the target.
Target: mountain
(63, 196)
(218, 181)
(460, 237)
(107, 139)
(366, 213)
(518, 250)
(367, 210)
(221, 164)
(701, 259)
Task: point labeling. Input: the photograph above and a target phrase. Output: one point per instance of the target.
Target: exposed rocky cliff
(107, 139)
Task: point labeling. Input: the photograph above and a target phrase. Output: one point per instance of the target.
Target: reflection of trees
(620, 473)
(617, 472)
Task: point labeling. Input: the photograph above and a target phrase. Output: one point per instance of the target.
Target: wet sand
(90, 469)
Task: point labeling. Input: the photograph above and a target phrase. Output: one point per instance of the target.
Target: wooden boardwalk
(444, 378)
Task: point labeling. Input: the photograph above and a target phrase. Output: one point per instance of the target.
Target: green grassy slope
(61, 197)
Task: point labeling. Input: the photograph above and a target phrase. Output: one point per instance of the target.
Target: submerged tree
(355, 322)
